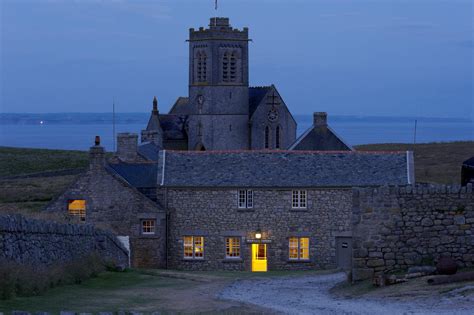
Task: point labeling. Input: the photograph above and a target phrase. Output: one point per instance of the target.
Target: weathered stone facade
(111, 203)
(38, 242)
(398, 227)
(214, 214)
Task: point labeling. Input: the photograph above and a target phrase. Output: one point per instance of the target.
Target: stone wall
(37, 242)
(214, 214)
(398, 227)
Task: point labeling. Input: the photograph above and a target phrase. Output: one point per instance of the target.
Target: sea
(76, 131)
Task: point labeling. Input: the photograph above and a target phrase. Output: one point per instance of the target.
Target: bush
(29, 280)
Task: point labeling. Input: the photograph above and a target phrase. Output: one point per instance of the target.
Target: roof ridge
(285, 151)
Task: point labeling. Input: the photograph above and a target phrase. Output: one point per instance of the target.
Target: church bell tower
(218, 87)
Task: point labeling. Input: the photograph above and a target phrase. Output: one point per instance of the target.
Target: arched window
(225, 67)
(277, 137)
(233, 67)
(201, 66)
(267, 137)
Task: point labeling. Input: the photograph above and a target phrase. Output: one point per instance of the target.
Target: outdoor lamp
(258, 234)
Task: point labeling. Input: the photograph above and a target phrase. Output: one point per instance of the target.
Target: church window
(277, 137)
(298, 248)
(229, 67)
(193, 247)
(225, 67)
(201, 66)
(233, 67)
(299, 199)
(245, 199)
(148, 227)
(77, 208)
(232, 247)
(267, 137)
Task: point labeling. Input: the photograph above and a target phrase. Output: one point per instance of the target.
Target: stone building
(222, 183)
(222, 111)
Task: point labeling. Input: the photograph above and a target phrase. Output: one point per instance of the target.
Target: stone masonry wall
(398, 227)
(37, 242)
(214, 214)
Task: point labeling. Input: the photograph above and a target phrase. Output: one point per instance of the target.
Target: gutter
(163, 169)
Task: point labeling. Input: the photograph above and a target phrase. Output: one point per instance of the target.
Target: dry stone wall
(398, 227)
(38, 242)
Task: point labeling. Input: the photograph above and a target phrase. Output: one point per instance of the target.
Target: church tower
(218, 87)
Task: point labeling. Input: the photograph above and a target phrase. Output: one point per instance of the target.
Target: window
(148, 227)
(201, 65)
(267, 137)
(299, 248)
(77, 208)
(245, 199)
(277, 137)
(299, 199)
(225, 67)
(232, 247)
(193, 247)
(229, 67)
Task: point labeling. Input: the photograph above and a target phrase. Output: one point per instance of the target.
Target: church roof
(180, 106)
(173, 127)
(256, 95)
(284, 168)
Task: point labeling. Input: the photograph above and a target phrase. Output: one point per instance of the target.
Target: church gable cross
(273, 99)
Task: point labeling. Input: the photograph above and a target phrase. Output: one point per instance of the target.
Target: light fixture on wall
(258, 234)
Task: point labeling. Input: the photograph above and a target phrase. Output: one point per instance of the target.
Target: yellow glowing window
(299, 248)
(298, 199)
(77, 208)
(232, 247)
(193, 247)
(148, 227)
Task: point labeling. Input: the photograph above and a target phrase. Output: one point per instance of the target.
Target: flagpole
(113, 121)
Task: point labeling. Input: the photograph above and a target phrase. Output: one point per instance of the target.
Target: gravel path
(310, 295)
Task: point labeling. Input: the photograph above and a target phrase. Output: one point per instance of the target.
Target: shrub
(29, 280)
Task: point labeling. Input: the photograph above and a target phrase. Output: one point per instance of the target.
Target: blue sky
(354, 57)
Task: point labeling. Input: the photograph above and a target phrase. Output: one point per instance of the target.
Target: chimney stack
(320, 119)
(96, 155)
(127, 146)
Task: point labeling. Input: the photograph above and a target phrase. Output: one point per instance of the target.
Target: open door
(259, 257)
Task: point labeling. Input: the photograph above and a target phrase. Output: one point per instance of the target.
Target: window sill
(194, 259)
(299, 209)
(245, 209)
(232, 260)
(148, 236)
(298, 260)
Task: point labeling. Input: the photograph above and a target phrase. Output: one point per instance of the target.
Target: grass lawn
(434, 162)
(145, 290)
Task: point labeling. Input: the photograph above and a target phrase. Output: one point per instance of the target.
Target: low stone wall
(38, 242)
(398, 227)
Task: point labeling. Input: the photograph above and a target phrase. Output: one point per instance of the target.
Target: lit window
(232, 247)
(299, 199)
(245, 199)
(193, 247)
(77, 208)
(299, 248)
(148, 227)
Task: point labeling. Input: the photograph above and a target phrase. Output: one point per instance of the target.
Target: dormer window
(77, 208)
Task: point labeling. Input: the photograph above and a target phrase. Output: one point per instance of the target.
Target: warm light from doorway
(258, 234)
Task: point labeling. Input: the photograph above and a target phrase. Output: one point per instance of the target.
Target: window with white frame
(193, 247)
(148, 227)
(298, 248)
(232, 247)
(299, 199)
(245, 199)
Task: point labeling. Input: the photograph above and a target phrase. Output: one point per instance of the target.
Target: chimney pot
(97, 140)
(96, 155)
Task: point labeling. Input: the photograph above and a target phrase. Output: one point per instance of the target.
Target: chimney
(96, 155)
(320, 119)
(127, 146)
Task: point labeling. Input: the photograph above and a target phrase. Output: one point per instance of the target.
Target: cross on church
(274, 99)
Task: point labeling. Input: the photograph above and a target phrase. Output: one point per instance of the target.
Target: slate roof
(173, 127)
(149, 150)
(180, 106)
(322, 138)
(284, 169)
(469, 163)
(138, 175)
(256, 94)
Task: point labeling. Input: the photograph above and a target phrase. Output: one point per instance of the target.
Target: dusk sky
(346, 57)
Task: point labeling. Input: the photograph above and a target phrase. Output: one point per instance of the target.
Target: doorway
(259, 257)
(344, 252)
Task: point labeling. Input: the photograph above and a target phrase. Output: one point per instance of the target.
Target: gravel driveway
(309, 295)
